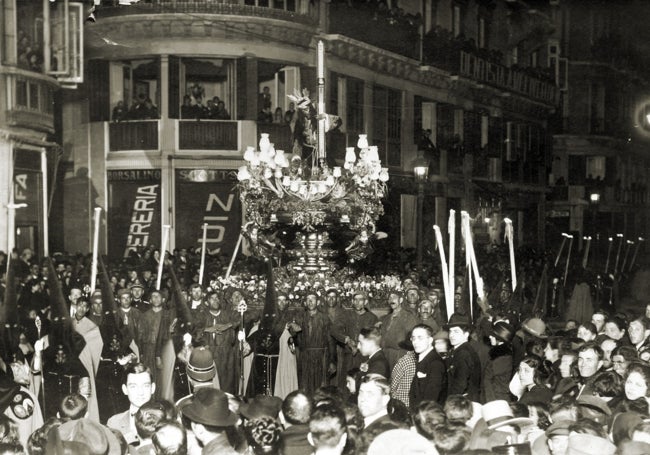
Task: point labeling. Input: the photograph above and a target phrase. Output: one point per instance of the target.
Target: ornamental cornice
(141, 30)
(386, 62)
(398, 66)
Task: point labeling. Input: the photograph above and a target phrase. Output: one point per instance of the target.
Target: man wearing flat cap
(464, 366)
(137, 294)
(131, 317)
(355, 320)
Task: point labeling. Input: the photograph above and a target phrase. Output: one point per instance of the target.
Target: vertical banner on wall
(207, 196)
(133, 211)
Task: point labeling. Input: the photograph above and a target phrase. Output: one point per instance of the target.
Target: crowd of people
(142, 108)
(133, 367)
(215, 109)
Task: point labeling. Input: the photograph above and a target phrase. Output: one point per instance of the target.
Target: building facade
(146, 139)
(601, 162)
(40, 49)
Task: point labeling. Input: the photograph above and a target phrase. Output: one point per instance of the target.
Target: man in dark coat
(430, 380)
(375, 360)
(464, 366)
(296, 410)
(374, 394)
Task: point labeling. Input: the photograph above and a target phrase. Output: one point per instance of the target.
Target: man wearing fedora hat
(499, 426)
(210, 419)
(463, 364)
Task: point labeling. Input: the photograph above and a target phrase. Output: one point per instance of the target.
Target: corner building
(473, 72)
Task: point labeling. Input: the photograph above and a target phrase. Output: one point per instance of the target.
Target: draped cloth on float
(90, 357)
(286, 376)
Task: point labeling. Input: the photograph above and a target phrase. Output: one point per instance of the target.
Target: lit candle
(510, 235)
(321, 60)
(449, 299)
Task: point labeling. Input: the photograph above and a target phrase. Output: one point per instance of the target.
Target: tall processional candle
(451, 230)
(636, 251)
(477, 277)
(609, 252)
(203, 241)
(568, 258)
(449, 298)
(163, 254)
(627, 253)
(585, 257)
(559, 253)
(511, 246)
(93, 267)
(618, 252)
(321, 99)
(466, 235)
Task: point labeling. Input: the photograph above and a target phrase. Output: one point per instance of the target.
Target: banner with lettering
(207, 196)
(133, 211)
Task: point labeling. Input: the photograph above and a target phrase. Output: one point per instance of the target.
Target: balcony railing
(207, 135)
(367, 23)
(483, 66)
(281, 10)
(133, 135)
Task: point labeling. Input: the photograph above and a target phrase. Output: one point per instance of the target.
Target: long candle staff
(234, 255)
(585, 258)
(203, 249)
(449, 300)
(93, 267)
(568, 259)
(163, 251)
(451, 229)
(627, 253)
(636, 250)
(559, 253)
(511, 246)
(321, 100)
(609, 252)
(618, 252)
(466, 235)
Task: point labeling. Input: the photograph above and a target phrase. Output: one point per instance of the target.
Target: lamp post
(594, 200)
(421, 174)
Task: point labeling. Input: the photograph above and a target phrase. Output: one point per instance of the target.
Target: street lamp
(594, 200)
(421, 174)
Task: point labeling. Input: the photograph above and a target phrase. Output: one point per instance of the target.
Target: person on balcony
(187, 110)
(222, 113)
(264, 99)
(288, 116)
(265, 115)
(119, 112)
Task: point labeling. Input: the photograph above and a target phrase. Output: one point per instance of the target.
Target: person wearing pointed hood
(265, 343)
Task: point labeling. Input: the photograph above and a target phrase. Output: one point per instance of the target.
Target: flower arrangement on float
(295, 286)
(279, 189)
